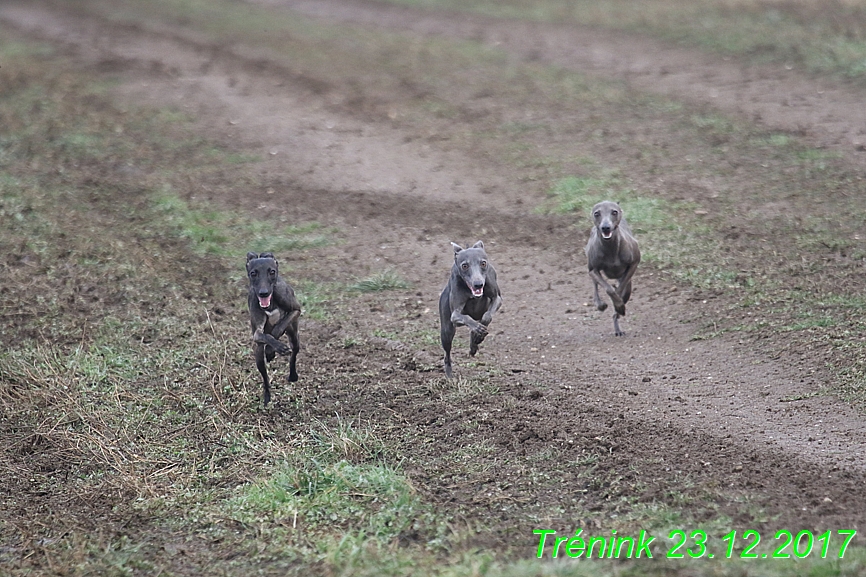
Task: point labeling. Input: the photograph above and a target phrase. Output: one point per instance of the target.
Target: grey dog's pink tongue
(265, 302)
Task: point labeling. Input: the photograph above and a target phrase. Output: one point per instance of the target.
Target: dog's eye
(483, 264)
(597, 214)
(614, 213)
(465, 265)
(272, 272)
(253, 274)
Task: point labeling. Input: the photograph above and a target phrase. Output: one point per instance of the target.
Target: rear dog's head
(262, 270)
(606, 215)
(472, 266)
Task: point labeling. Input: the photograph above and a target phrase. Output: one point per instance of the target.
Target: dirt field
(734, 402)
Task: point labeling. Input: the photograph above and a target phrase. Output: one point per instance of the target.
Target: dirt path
(714, 411)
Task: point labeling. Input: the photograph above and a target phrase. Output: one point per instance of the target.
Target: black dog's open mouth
(265, 302)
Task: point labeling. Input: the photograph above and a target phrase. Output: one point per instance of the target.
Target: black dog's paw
(293, 377)
(284, 349)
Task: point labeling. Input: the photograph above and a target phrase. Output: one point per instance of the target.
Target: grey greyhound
(470, 298)
(274, 310)
(612, 250)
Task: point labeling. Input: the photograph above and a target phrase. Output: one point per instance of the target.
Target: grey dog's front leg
(459, 319)
(611, 292)
(494, 306)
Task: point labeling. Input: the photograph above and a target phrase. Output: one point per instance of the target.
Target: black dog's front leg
(262, 366)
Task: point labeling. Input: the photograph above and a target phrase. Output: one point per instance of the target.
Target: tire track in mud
(712, 411)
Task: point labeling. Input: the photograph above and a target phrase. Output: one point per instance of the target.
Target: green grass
(826, 37)
(222, 233)
(385, 280)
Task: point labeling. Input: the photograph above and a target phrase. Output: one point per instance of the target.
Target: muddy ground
(656, 415)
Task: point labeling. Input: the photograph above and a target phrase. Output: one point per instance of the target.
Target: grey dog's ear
(457, 248)
(478, 244)
(251, 256)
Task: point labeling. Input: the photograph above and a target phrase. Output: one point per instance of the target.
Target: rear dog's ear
(267, 255)
(457, 248)
(251, 256)
(478, 244)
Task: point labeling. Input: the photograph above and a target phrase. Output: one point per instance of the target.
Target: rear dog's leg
(616, 329)
(596, 300)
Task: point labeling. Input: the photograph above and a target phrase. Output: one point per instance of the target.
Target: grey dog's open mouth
(265, 302)
(606, 236)
(476, 292)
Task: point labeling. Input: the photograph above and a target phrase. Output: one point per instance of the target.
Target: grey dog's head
(606, 215)
(262, 270)
(472, 265)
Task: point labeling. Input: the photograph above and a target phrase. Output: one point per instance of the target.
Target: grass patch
(223, 233)
(820, 37)
(385, 280)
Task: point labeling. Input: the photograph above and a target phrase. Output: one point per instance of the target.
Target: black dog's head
(471, 265)
(262, 270)
(606, 215)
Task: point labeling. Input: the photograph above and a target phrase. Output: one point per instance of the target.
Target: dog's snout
(478, 285)
(605, 228)
(263, 292)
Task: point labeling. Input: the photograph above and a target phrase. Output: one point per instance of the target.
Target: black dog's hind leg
(292, 332)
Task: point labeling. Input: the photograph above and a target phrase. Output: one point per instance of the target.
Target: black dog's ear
(271, 256)
(251, 256)
(457, 248)
(478, 244)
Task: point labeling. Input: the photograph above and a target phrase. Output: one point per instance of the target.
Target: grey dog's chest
(476, 307)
